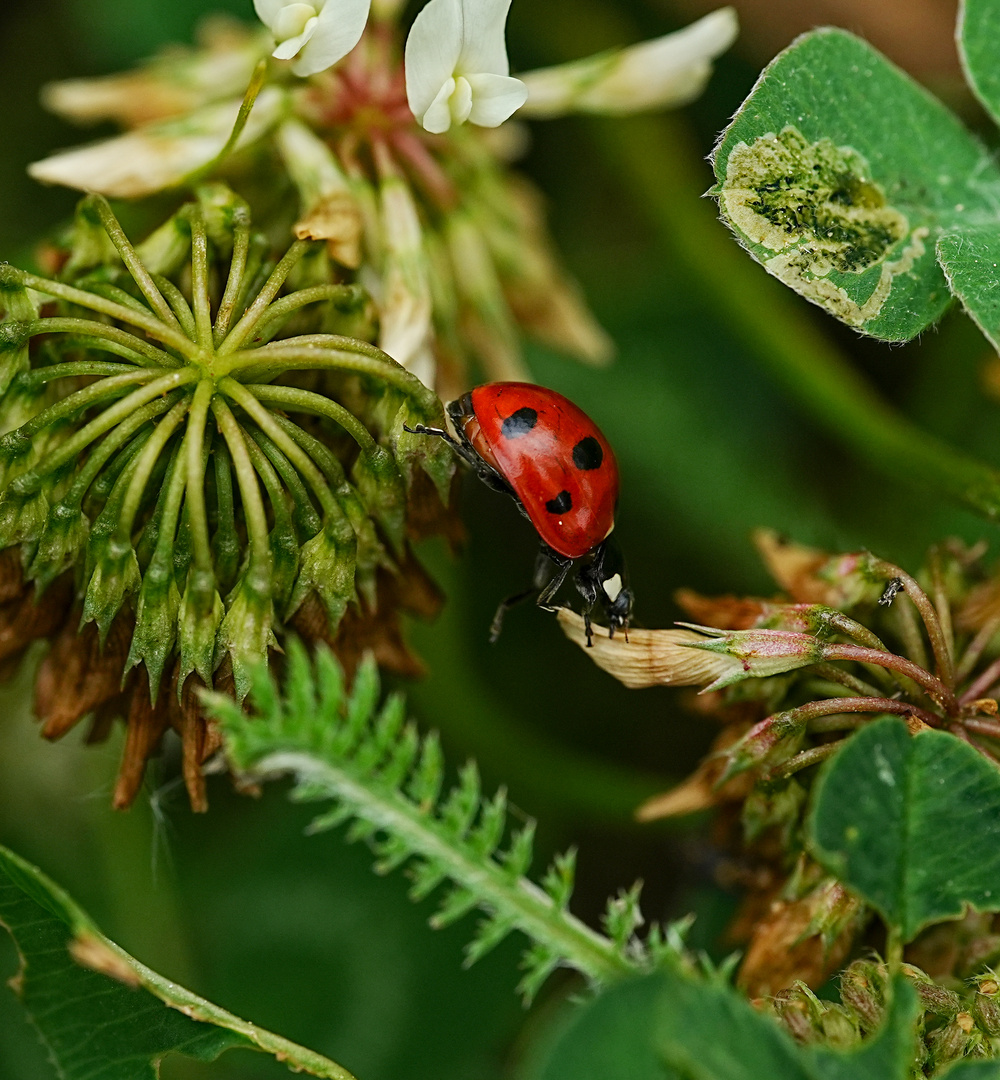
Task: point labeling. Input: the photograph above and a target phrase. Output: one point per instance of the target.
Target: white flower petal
(495, 98)
(158, 156)
(663, 73)
(461, 101)
(291, 46)
(483, 47)
(340, 26)
(437, 118)
(433, 47)
(267, 10)
(292, 20)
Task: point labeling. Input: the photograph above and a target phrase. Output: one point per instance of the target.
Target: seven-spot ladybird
(551, 458)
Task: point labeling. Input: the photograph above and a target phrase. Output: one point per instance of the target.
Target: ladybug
(543, 451)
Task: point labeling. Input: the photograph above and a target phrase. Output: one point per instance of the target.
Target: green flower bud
(90, 245)
(63, 538)
(115, 575)
(760, 652)
(155, 621)
(23, 513)
(14, 298)
(863, 989)
(284, 545)
(14, 337)
(201, 612)
(383, 493)
(245, 632)
(772, 740)
(326, 567)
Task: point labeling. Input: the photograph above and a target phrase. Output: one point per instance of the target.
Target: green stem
(292, 480)
(178, 304)
(196, 463)
(246, 478)
(249, 99)
(655, 159)
(299, 458)
(140, 275)
(299, 400)
(245, 327)
(88, 328)
(154, 327)
(114, 414)
(97, 459)
(237, 268)
(166, 526)
(145, 465)
(341, 354)
(199, 279)
(284, 307)
(928, 614)
(41, 376)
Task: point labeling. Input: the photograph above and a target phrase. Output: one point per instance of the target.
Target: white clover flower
(663, 73)
(315, 34)
(456, 65)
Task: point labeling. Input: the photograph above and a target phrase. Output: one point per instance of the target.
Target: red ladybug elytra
(551, 458)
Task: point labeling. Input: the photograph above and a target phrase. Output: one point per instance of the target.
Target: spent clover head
(790, 680)
(177, 456)
(383, 150)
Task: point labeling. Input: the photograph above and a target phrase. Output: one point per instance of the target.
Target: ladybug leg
(586, 587)
(556, 582)
(460, 448)
(542, 570)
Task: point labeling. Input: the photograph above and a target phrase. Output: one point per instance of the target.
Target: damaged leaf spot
(815, 208)
(92, 952)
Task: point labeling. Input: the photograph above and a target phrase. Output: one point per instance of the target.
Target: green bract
(172, 436)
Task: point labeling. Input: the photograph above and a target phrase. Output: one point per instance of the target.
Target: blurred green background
(297, 933)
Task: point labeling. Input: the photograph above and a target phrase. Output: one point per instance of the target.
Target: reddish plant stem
(815, 710)
(976, 647)
(937, 690)
(982, 726)
(803, 760)
(928, 613)
(985, 680)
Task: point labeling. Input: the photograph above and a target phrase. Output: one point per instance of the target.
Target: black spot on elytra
(587, 454)
(562, 503)
(519, 423)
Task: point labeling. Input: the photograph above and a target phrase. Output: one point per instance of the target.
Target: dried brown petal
(27, 617)
(650, 657)
(724, 612)
(786, 946)
(145, 727)
(699, 790)
(77, 676)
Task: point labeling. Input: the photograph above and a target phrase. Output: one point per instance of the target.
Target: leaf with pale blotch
(911, 823)
(73, 980)
(839, 172)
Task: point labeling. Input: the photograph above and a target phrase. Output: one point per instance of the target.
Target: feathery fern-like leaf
(385, 783)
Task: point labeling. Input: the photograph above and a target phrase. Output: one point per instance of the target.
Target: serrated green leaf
(838, 174)
(911, 823)
(978, 39)
(73, 980)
